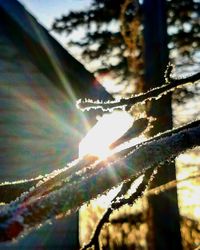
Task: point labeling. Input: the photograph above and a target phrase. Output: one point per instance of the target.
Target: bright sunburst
(108, 129)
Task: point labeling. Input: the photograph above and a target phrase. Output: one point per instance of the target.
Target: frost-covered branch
(118, 201)
(45, 184)
(94, 241)
(156, 93)
(95, 179)
(11, 190)
(42, 184)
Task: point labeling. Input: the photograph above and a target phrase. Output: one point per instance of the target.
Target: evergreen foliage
(105, 35)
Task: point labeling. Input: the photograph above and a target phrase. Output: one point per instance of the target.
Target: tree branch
(72, 195)
(11, 190)
(156, 93)
(117, 203)
(42, 184)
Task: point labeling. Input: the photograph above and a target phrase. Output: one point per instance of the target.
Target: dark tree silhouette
(104, 37)
(163, 234)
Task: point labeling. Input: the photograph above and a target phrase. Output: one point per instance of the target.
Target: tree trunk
(164, 226)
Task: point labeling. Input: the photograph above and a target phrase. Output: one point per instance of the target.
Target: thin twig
(156, 93)
(116, 203)
(105, 218)
(169, 185)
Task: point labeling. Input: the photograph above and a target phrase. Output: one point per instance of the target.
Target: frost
(125, 104)
(65, 190)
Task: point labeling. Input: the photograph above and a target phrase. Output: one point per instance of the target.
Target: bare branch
(42, 184)
(117, 203)
(141, 189)
(72, 195)
(156, 93)
(169, 185)
(11, 190)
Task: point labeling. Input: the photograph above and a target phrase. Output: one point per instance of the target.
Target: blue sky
(47, 10)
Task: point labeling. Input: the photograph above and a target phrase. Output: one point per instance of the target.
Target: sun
(108, 129)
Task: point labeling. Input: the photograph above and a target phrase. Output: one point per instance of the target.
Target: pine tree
(104, 38)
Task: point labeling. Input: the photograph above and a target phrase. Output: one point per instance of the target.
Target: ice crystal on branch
(170, 85)
(65, 190)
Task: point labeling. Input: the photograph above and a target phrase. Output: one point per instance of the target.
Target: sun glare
(108, 129)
